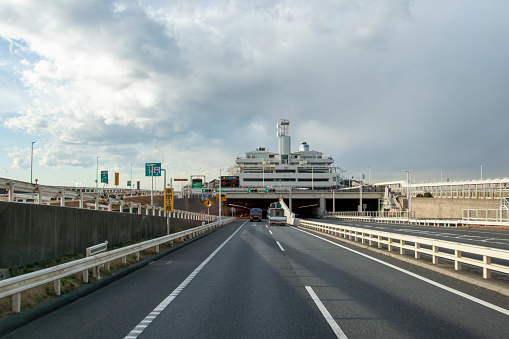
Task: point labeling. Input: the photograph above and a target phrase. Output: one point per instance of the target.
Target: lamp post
(97, 175)
(481, 171)
(220, 194)
(31, 161)
(409, 191)
(312, 178)
(131, 180)
(360, 192)
(263, 173)
(164, 185)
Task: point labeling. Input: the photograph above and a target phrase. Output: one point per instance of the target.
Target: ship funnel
(304, 147)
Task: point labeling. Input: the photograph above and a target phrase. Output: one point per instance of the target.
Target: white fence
(14, 286)
(488, 215)
(375, 214)
(19, 191)
(418, 222)
(402, 220)
(438, 248)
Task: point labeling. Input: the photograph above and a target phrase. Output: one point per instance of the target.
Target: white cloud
(19, 158)
(197, 83)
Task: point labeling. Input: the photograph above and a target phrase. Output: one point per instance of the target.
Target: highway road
(475, 236)
(248, 280)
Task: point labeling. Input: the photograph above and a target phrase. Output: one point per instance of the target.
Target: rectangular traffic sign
(229, 181)
(153, 169)
(104, 177)
(168, 199)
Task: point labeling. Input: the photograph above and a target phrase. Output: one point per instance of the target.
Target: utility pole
(360, 192)
(32, 160)
(220, 194)
(97, 175)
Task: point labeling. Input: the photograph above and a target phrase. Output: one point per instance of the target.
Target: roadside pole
(220, 195)
(163, 169)
(152, 189)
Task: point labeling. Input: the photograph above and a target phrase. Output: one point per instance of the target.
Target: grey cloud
(394, 85)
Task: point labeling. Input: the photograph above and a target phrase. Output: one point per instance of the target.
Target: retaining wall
(449, 208)
(32, 233)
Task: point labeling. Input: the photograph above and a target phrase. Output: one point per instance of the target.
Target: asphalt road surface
(248, 280)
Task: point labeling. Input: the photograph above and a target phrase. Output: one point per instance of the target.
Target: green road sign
(153, 169)
(104, 177)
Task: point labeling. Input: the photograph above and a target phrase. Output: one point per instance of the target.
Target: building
(304, 168)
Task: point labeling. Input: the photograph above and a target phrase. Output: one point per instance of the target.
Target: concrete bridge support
(321, 207)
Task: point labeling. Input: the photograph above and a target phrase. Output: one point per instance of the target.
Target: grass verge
(40, 295)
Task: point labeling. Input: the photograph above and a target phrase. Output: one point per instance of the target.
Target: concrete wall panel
(32, 233)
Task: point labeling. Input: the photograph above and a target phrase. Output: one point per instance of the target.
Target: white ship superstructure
(302, 169)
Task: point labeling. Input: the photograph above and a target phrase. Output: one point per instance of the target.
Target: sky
(380, 86)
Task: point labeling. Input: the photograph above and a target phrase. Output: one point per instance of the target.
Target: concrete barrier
(32, 233)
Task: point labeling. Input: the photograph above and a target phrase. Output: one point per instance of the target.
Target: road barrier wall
(32, 233)
(449, 208)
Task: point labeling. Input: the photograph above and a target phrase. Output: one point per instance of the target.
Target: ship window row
(268, 179)
(286, 179)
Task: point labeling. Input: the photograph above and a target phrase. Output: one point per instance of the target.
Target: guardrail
(389, 220)
(437, 248)
(418, 222)
(39, 194)
(375, 214)
(14, 286)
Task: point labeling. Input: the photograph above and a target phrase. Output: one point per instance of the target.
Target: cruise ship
(304, 169)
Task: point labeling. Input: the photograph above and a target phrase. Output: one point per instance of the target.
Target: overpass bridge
(305, 203)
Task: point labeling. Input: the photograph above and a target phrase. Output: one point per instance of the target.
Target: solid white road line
(429, 281)
(281, 247)
(152, 315)
(332, 323)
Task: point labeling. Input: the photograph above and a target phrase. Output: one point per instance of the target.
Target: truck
(276, 214)
(255, 214)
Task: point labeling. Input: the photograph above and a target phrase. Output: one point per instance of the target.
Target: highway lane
(372, 300)
(249, 280)
(475, 236)
(243, 291)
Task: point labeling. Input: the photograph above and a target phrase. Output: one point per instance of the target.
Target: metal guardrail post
(486, 272)
(11, 191)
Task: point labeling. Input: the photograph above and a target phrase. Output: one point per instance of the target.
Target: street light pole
(31, 161)
(409, 192)
(152, 189)
(220, 194)
(97, 175)
(263, 173)
(163, 169)
(360, 192)
(312, 177)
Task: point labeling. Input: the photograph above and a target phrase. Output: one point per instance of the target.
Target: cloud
(401, 83)
(19, 158)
